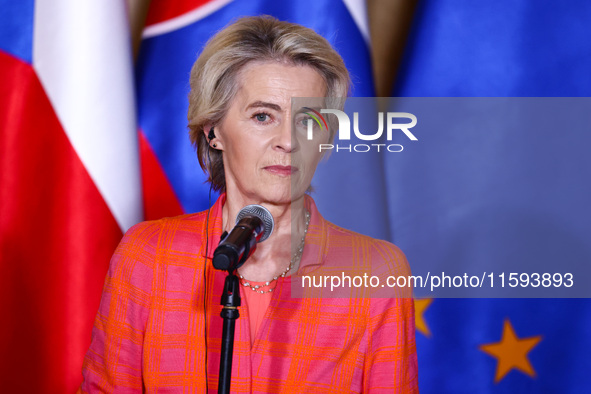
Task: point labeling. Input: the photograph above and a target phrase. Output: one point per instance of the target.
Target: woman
(158, 328)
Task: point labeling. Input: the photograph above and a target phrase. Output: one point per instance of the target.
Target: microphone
(254, 223)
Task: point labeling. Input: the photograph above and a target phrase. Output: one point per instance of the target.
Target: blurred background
(94, 140)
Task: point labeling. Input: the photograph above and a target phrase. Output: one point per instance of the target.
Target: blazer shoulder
(167, 222)
(387, 248)
(151, 232)
(384, 256)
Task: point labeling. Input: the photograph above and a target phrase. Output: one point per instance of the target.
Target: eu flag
(481, 49)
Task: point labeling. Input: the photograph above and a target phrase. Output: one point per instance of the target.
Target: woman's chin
(282, 198)
(275, 193)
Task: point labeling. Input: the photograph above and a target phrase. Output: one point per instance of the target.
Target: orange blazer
(158, 328)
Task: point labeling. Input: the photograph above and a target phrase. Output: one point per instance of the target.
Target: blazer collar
(212, 227)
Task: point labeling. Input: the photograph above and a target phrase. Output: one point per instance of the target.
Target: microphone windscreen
(263, 214)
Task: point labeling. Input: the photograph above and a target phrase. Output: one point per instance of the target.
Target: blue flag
(524, 196)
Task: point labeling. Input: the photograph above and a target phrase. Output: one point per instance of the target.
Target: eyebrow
(263, 104)
(304, 109)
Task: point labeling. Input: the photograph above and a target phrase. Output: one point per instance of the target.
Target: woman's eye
(262, 117)
(302, 121)
(306, 120)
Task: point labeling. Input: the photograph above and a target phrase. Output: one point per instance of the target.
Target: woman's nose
(286, 140)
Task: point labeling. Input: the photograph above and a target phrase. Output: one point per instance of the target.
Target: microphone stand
(230, 303)
(254, 223)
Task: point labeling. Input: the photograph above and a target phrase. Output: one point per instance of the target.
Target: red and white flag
(69, 180)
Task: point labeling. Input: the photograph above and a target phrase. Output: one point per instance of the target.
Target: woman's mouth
(282, 170)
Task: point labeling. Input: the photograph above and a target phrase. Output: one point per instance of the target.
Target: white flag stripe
(184, 19)
(82, 55)
(358, 11)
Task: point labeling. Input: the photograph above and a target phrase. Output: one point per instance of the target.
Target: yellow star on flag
(511, 352)
(420, 306)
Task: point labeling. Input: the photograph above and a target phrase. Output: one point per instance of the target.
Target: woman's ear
(212, 139)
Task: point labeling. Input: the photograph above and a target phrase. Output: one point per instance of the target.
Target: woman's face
(265, 159)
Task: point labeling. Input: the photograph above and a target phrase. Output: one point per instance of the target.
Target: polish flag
(69, 180)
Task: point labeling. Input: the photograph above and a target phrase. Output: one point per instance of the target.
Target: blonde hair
(262, 38)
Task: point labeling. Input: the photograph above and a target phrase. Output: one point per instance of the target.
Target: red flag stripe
(159, 197)
(177, 19)
(163, 10)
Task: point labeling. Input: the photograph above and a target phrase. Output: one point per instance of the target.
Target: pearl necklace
(297, 255)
